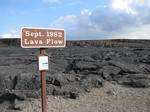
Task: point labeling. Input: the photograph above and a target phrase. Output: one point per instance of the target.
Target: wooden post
(43, 85)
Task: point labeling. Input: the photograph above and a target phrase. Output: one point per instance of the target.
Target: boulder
(137, 83)
(143, 59)
(135, 80)
(19, 105)
(128, 68)
(60, 79)
(11, 97)
(68, 91)
(91, 81)
(27, 81)
(7, 81)
(109, 72)
(84, 65)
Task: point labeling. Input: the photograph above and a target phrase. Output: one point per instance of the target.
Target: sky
(81, 19)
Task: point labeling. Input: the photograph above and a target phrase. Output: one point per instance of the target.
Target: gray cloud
(106, 22)
(110, 20)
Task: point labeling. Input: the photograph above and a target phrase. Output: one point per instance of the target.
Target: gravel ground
(110, 98)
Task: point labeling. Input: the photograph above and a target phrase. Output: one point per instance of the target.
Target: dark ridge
(9, 42)
(89, 43)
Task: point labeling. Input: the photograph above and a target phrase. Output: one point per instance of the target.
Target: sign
(43, 63)
(42, 38)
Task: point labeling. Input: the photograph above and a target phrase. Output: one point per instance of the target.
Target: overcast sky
(82, 19)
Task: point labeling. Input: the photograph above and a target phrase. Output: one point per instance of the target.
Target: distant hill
(88, 43)
(9, 42)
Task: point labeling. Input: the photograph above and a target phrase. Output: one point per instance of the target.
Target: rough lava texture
(73, 70)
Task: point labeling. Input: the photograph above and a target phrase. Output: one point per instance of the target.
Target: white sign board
(43, 63)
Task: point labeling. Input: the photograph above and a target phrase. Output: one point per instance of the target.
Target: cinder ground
(110, 98)
(78, 67)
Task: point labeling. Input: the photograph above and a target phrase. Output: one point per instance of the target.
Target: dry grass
(110, 98)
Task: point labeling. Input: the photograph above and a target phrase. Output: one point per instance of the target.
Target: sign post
(43, 38)
(43, 83)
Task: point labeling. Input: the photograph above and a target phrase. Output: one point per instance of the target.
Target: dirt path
(110, 98)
